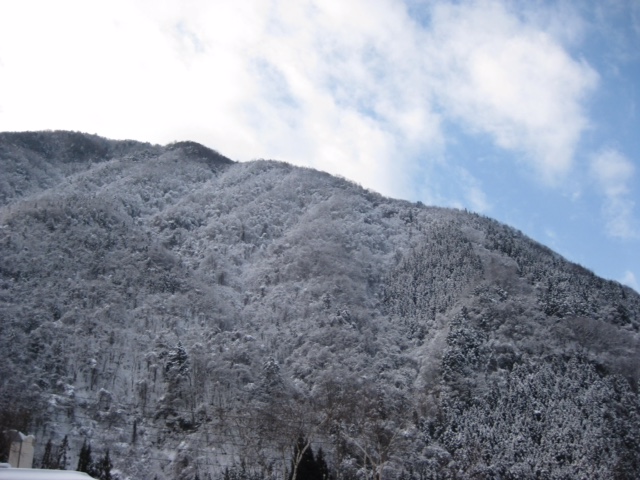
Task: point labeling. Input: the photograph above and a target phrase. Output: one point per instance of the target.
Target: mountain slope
(193, 314)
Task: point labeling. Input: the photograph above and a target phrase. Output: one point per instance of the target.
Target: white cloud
(472, 190)
(353, 103)
(357, 88)
(630, 279)
(613, 173)
(507, 78)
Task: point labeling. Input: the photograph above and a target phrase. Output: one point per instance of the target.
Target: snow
(38, 474)
(168, 313)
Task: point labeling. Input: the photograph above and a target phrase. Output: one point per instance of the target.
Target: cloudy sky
(525, 111)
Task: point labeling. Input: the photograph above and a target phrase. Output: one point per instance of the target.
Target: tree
(85, 462)
(368, 422)
(177, 372)
(103, 470)
(47, 458)
(303, 464)
(289, 422)
(307, 466)
(5, 445)
(62, 455)
(322, 467)
(134, 435)
(177, 361)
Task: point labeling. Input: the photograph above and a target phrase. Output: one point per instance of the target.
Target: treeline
(58, 457)
(198, 318)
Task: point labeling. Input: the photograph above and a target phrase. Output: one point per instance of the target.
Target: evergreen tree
(62, 456)
(177, 372)
(47, 458)
(103, 470)
(178, 361)
(321, 465)
(85, 462)
(307, 467)
(5, 445)
(134, 435)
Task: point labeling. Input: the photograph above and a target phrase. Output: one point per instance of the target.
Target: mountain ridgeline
(198, 318)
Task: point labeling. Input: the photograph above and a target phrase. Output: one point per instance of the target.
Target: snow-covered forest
(197, 318)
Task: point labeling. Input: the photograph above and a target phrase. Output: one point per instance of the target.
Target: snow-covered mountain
(199, 318)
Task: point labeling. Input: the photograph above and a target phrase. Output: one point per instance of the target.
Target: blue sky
(525, 111)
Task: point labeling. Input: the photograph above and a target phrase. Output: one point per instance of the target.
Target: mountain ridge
(207, 298)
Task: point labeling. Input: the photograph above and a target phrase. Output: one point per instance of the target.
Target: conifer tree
(62, 457)
(177, 372)
(85, 462)
(321, 466)
(304, 466)
(104, 467)
(178, 360)
(4, 446)
(134, 435)
(47, 459)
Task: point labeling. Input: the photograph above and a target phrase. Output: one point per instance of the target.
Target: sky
(524, 111)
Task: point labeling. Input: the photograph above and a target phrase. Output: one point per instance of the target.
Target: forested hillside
(200, 318)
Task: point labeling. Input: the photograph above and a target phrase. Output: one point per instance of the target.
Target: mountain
(195, 317)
